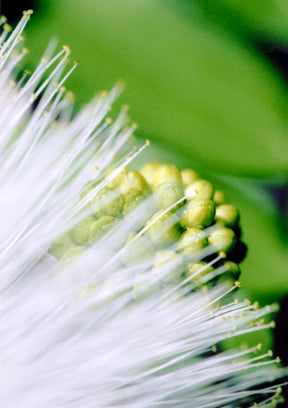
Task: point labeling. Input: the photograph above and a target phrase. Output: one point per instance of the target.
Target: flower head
(97, 306)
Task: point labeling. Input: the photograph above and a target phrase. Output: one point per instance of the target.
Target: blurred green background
(206, 82)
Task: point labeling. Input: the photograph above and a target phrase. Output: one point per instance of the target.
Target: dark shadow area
(13, 9)
(278, 55)
(280, 346)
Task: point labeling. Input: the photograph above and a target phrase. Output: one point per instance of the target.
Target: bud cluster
(184, 226)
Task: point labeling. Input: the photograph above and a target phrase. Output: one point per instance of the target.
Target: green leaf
(261, 18)
(201, 93)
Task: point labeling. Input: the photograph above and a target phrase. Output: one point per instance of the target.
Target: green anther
(192, 241)
(145, 285)
(108, 202)
(168, 194)
(165, 230)
(173, 265)
(166, 173)
(198, 213)
(219, 197)
(132, 200)
(138, 251)
(198, 270)
(227, 214)
(222, 239)
(80, 232)
(61, 245)
(189, 176)
(199, 189)
(72, 253)
(99, 228)
(148, 171)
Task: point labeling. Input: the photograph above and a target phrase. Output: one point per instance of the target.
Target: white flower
(72, 335)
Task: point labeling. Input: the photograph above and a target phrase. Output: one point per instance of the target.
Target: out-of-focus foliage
(198, 86)
(206, 94)
(260, 18)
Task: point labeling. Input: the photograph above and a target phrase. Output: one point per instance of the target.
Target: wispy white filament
(72, 335)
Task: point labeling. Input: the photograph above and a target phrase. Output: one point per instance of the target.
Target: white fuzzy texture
(60, 348)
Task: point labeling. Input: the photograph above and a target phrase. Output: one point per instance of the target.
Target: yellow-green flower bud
(198, 270)
(166, 173)
(80, 232)
(88, 291)
(227, 214)
(138, 251)
(117, 180)
(189, 176)
(199, 189)
(168, 194)
(100, 227)
(72, 253)
(192, 241)
(132, 180)
(232, 267)
(145, 285)
(222, 239)
(108, 202)
(132, 200)
(198, 213)
(232, 272)
(148, 171)
(165, 230)
(173, 265)
(116, 285)
(219, 197)
(87, 191)
(61, 245)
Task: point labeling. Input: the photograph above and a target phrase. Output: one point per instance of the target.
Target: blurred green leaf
(191, 88)
(260, 18)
